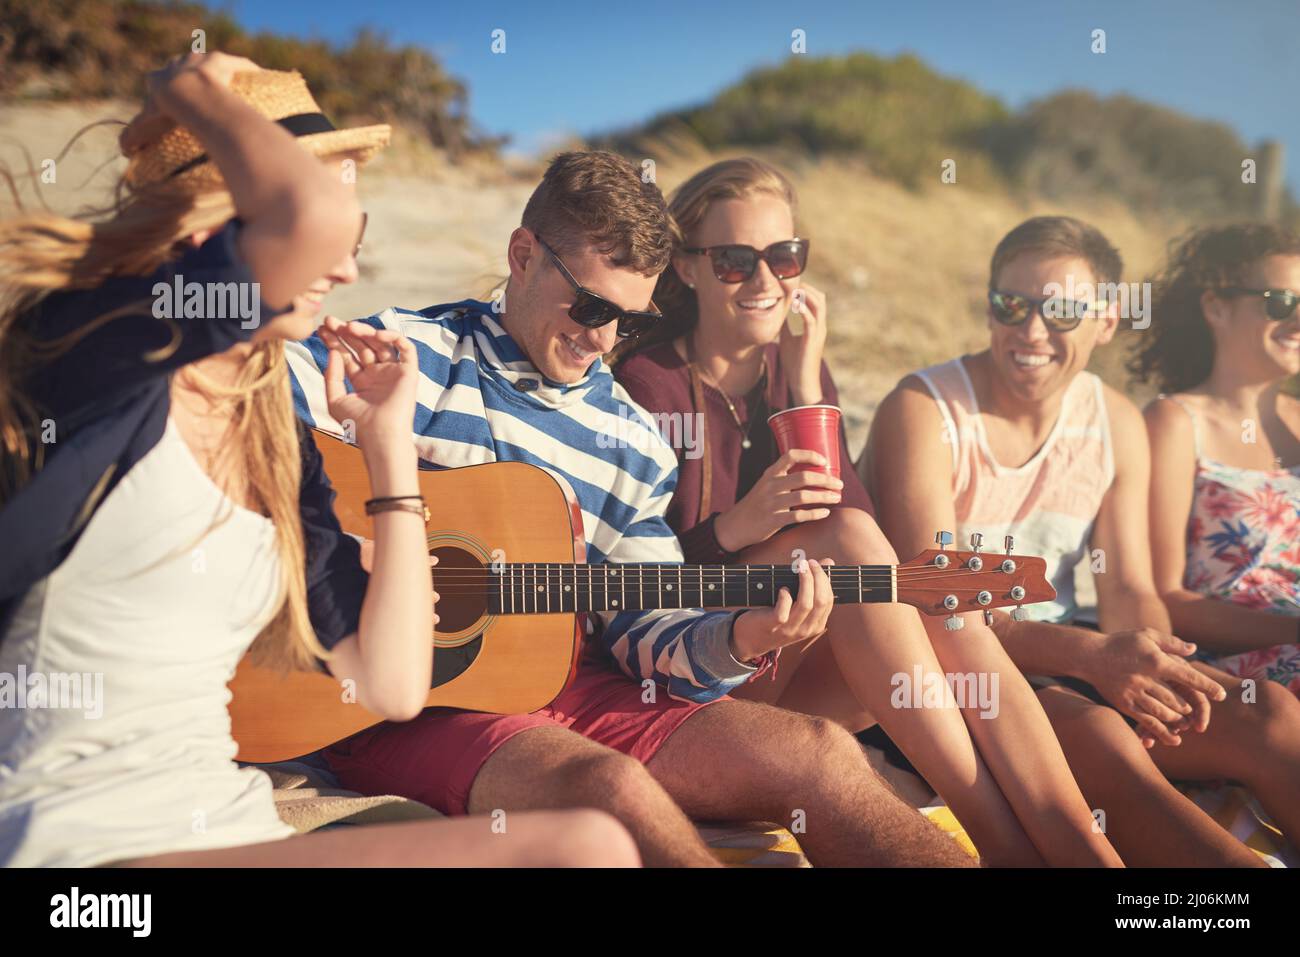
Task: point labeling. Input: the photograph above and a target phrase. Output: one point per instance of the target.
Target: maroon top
(659, 381)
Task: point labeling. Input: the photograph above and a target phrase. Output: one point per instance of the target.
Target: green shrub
(900, 116)
(904, 119)
(1074, 144)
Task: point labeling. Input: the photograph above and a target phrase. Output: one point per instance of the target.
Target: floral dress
(1243, 546)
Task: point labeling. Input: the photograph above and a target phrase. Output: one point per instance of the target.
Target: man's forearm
(1042, 648)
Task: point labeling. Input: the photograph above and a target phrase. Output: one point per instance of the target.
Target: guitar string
(631, 568)
(519, 590)
(657, 580)
(524, 593)
(691, 577)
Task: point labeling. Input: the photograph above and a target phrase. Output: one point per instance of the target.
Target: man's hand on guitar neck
(792, 619)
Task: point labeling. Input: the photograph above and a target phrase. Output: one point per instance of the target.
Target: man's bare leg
(748, 761)
(580, 838)
(551, 767)
(1148, 821)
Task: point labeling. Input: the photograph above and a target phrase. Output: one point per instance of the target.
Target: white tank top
(162, 595)
(1048, 504)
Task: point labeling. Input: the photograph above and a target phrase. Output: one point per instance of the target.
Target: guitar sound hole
(461, 581)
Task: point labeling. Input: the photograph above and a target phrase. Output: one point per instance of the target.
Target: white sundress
(167, 587)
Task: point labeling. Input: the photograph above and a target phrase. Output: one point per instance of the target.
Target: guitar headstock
(940, 581)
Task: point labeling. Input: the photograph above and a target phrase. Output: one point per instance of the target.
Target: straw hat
(178, 157)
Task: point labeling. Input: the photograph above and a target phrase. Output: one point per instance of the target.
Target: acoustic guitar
(513, 590)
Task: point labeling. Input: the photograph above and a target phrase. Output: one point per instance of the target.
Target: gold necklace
(740, 426)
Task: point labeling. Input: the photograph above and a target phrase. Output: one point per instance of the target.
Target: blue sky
(588, 67)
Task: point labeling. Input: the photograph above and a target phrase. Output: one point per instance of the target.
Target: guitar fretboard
(537, 588)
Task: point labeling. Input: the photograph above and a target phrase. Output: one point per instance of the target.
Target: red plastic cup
(812, 427)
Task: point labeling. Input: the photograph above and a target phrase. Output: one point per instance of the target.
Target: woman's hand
(155, 118)
(770, 505)
(790, 620)
(1144, 675)
(801, 355)
(381, 365)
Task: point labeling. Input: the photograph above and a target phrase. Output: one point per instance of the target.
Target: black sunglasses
(734, 263)
(1059, 314)
(593, 310)
(1279, 304)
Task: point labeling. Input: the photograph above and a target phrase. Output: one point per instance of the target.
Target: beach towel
(1232, 808)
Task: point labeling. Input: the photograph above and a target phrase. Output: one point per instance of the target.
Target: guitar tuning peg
(943, 539)
(1019, 614)
(976, 542)
(988, 617)
(1008, 543)
(954, 623)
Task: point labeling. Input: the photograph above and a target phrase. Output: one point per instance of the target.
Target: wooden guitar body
(508, 510)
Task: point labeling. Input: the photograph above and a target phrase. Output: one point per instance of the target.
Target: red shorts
(435, 757)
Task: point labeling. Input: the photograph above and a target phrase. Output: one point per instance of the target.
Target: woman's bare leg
(578, 838)
(1150, 823)
(846, 676)
(1023, 753)
(1256, 742)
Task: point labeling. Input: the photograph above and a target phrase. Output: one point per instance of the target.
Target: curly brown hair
(1179, 348)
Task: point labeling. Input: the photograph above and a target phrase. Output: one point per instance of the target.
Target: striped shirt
(479, 399)
(1048, 504)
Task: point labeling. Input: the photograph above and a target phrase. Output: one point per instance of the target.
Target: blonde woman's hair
(42, 253)
(739, 178)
